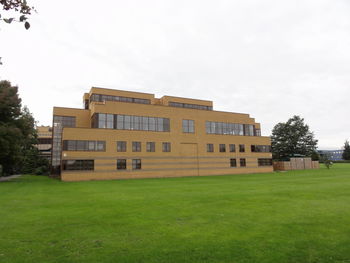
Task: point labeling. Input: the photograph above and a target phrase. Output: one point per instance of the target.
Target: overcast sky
(271, 59)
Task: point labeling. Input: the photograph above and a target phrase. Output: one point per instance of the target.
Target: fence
(296, 164)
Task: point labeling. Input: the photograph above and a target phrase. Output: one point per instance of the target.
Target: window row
(222, 148)
(261, 148)
(121, 164)
(80, 165)
(190, 106)
(242, 162)
(80, 145)
(230, 128)
(136, 146)
(128, 122)
(71, 165)
(102, 98)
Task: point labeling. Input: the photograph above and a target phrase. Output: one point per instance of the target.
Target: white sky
(271, 59)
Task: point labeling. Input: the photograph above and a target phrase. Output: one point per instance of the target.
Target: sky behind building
(271, 59)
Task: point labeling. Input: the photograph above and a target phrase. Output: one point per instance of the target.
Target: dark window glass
(222, 148)
(233, 162)
(121, 164)
(241, 148)
(242, 162)
(150, 146)
(166, 147)
(136, 146)
(232, 148)
(136, 164)
(79, 145)
(121, 146)
(261, 148)
(71, 165)
(265, 162)
(210, 147)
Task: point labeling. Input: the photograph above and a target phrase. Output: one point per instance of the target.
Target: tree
(17, 133)
(346, 153)
(291, 138)
(20, 6)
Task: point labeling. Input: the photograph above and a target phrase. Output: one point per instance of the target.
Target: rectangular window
(80, 145)
(121, 146)
(136, 146)
(188, 126)
(222, 148)
(231, 128)
(260, 148)
(136, 164)
(242, 162)
(210, 147)
(166, 147)
(233, 162)
(121, 164)
(232, 148)
(150, 146)
(265, 162)
(78, 165)
(241, 148)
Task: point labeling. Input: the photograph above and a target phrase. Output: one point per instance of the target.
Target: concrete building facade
(122, 135)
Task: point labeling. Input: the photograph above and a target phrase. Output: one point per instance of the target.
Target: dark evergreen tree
(291, 138)
(17, 134)
(346, 153)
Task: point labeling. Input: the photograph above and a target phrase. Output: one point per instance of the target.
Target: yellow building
(122, 135)
(44, 141)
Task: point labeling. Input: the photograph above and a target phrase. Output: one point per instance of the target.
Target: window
(121, 146)
(102, 98)
(233, 162)
(166, 147)
(150, 146)
(129, 122)
(79, 145)
(242, 162)
(222, 148)
(78, 165)
(136, 164)
(189, 106)
(210, 147)
(212, 127)
(260, 148)
(232, 148)
(136, 146)
(241, 148)
(188, 126)
(121, 164)
(264, 162)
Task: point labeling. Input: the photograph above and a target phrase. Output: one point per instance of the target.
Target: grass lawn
(297, 216)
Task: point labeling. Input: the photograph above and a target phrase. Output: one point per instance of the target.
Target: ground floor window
(222, 148)
(233, 162)
(78, 165)
(150, 146)
(264, 162)
(242, 162)
(166, 147)
(232, 148)
(210, 147)
(121, 164)
(136, 164)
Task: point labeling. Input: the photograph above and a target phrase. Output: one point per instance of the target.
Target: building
(333, 155)
(121, 134)
(44, 141)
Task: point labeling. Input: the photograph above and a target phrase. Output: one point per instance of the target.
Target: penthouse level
(122, 134)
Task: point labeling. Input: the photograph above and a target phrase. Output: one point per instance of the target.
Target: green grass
(298, 216)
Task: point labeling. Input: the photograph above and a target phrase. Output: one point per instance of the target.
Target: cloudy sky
(271, 59)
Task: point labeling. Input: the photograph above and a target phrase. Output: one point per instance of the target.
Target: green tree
(292, 137)
(20, 6)
(346, 153)
(17, 133)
